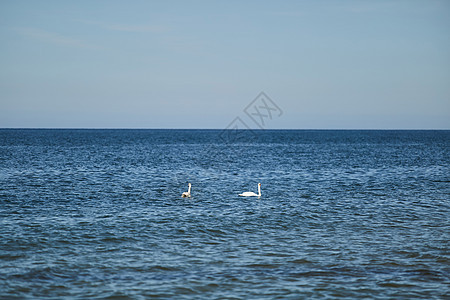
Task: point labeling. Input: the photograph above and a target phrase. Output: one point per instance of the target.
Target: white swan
(188, 193)
(250, 194)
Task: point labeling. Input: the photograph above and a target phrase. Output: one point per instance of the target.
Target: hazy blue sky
(198, 64)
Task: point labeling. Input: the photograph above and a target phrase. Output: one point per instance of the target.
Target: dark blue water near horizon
(98, 214)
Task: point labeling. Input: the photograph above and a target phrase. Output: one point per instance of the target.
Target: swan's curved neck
(259, 190)
(189, 189)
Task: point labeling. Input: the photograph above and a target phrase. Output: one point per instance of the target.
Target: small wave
(263, 266)
(393, 284)
(163, 268)
(427, 275)
(300, 261)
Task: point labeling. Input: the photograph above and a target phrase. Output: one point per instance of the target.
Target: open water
(97, 214)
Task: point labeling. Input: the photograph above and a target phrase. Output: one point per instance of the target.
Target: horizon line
(250, 129)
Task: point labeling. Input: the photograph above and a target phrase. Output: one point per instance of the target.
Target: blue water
(97, 214)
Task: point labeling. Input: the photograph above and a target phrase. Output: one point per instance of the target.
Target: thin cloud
(53, 38)
(128, 27)
(133, 28)
(288, 13)
(336, 7)
(369, 7)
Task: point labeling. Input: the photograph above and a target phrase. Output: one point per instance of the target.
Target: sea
(343, 214)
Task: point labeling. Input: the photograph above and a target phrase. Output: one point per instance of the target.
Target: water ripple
(98, 215)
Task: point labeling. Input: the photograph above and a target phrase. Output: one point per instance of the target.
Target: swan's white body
(251, 194)
(188, 193)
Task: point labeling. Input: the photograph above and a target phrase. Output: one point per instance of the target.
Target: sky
(200, 64)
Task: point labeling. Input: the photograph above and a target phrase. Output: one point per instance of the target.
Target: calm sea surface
(98, 214)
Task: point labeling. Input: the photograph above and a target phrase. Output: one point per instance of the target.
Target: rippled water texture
(94, 214)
